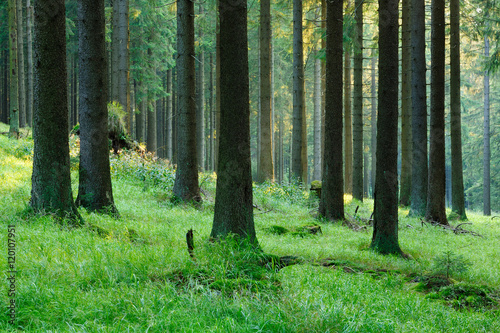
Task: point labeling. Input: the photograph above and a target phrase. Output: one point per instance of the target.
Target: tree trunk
(13, 70)
(347, 123)
(357, 142)
(212, 116)
(233, 201)
(331, 205)
(150, 112)
(457, 176)
(299, 158)
(5, 84)
(419, 170)
(160, 120)
(486, 137)
(217, 89)
(29, 95)
(186, 186)
(385, 223)
(436, 209)
(266, 163)
(51, 182)
(200, 99)
(20, 53)
(373, 142)
(140, 116)
(317, 118)
(169, 129)
(95, 191)
(121, 39)
(406, 149)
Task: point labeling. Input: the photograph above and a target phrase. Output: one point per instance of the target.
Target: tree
(486, 137)
(317, 118)
(20, 58)
(14, 86)
(406, 151)
(331, 204)
(29, 96)
(51, 182)
(266, 165)
(200, 101)
(457, 178)
(95, 191)
(186, 186)
(373, 139)
(233, 201)
(347, 121)
(419, 170)
(299, 153)
(385, 223)
(169, 129)
(436, 210)
(357, 125)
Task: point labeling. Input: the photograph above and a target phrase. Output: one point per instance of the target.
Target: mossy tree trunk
(233, 201)
(385, 224)
(331, 204)
(95, 191)
(51, 182)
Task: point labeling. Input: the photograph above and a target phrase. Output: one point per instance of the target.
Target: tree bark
(357, 142)
(186, 186)
(169, 129)
(151, 142)
(317, 119)
(419, 170)
(29, 94)
(299, 158)
(406, 149)
(200, 99)
(13, 70)
(457, 177)
(436, 209)
(331, 204)
(347, 123)
(385, 223)
(20, 53)
(486, 137)
(51, 183)
(266, 163)
(95, 191)
(233, 201)
(373, 142)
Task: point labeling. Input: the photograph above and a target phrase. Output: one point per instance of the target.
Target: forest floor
(134, 273)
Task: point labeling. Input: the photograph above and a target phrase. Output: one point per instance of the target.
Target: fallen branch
(456, 230)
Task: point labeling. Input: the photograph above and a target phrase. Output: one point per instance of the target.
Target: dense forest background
(153, 106)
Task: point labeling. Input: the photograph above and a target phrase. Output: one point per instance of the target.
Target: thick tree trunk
(419, 170)
(347, 123)
(29, 48)
(357, 139)
(373, 142)
(385, 224)
(266, 164)
(457, 176)
(186, 186)
(436, 209)
(20, 53)
(95, 191)
(317, 119)
(331, 205)
(486, 137)
(51, 182)
(233, 201)
(299, 153)
(13, 70)
(406, 149)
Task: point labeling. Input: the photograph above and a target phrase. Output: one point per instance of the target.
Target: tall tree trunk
(20, 53)
(406, 149)
(299, 158)
(331, 205)
(457, 176)
(436, 209)
(170, 115)
(347, 123)
(151, 142)
(140, 116)
(385, 223)
(200, 99)
(51, 182)
(233, 202)
(13, 70)
(160, 120)
(212, 115)
(121, 72)
(186, 186)
(266, 164)
(373, 143)
(5, 84)
(317, 118)
(357, 139)
(486, 136)
(29, 41)
(95, 191)
(217, 89)
(323, 82)
(419, 170)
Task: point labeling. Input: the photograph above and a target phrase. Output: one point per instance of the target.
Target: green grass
(136, 274)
